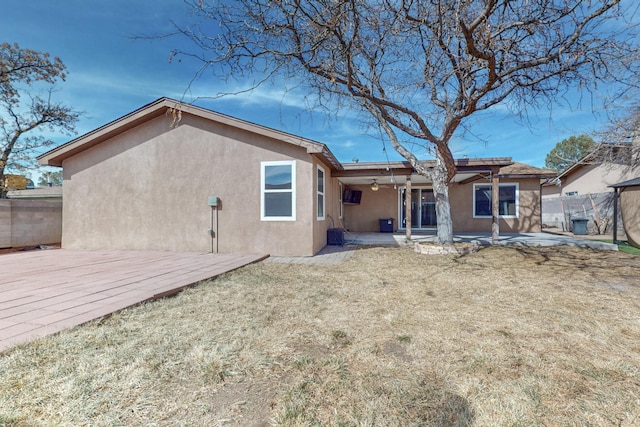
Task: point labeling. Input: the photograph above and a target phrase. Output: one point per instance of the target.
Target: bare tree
(418, 68)
(620, 141)
(20, 71)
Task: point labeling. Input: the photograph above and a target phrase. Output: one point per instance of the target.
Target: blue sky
(111, 73)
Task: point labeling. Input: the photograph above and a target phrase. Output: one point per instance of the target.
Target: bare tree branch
(20, 70)
(421, 68)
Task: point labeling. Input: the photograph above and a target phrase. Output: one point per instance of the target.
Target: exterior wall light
(374, 186)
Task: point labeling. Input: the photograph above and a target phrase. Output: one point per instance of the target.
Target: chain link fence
(597, 209)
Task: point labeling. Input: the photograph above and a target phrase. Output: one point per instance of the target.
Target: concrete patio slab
(517, 239)
(45, 291)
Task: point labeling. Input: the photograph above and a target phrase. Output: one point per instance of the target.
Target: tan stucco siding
(528, 219)
(630, 206)
(373, 206)
(331, 206)
(384, 204)
(147, 189)
(589, 179)
(551, 190)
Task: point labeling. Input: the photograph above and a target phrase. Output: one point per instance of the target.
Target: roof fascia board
(161, 106)
(55, 156)
(527, 176)
(590, 157)
(630, 183)
(369, 172)
(476, 164)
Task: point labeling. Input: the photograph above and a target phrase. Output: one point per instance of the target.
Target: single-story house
(581, 191)
(589, 175)
(172, 176)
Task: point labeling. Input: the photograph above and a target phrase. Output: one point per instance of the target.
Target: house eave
(630, 183)
(591, 158)
(404, 168)
(526, 176)
(56, 156)
(167, 106)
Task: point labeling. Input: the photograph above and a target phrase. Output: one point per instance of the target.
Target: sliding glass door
(423, 208)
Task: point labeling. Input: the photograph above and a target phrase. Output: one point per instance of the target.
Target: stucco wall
(147, 189)
(29, 222)
(589, 179)
(384, 204)
(528, 219)
(331, 205)
(630, 207)
(373, 206)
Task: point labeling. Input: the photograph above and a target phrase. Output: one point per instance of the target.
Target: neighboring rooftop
(37, 193)
(524, 170)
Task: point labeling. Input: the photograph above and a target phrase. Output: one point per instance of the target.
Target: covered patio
(475, 194)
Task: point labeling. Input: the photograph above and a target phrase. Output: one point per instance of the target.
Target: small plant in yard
(341, 338)
(503, 336)
(339, 335)
(404, 339)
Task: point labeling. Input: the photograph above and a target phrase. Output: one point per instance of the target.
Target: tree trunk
(407, 209)
(440, 176)
(3, 164)
(440, 179)
(3, 187)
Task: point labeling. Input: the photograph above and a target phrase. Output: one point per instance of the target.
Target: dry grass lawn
(502, 337)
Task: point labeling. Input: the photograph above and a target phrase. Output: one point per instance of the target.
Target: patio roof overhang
(399, 172)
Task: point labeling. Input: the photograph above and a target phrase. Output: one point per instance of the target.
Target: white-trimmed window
(340, 205)
(278, 191)
(507, 204)
(320, 191)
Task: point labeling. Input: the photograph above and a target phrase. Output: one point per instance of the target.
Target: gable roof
(167, 106)
(175, 109)
(594, 157)
(521, 170)
(467, 170)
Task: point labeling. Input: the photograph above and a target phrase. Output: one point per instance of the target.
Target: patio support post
(407, 209)
(615, 215)
(495, 205)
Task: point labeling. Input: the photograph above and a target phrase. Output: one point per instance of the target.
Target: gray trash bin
(580, 226)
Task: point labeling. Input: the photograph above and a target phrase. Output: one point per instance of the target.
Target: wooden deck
(45, 291)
